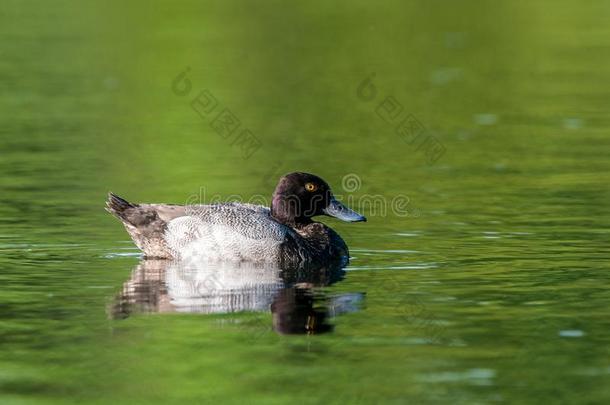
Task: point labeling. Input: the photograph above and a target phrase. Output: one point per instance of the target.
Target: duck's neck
(288, 212)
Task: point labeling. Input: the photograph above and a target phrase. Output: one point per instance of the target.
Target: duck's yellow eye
(310, 187)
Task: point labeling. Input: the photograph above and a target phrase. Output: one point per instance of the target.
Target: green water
(492, 288)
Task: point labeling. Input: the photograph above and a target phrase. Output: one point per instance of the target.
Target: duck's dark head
(300, 196)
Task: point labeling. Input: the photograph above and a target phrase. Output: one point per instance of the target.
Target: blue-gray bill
(338, 210)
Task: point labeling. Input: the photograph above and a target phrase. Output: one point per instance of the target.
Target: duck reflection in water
(291, 294)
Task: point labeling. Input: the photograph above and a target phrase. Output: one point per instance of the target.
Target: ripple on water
(477, 376)
(413, 266)
(30, 247)
(571, 333)
(382, 251)
(114, 255)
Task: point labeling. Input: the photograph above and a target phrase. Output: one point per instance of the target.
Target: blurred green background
(507, 255)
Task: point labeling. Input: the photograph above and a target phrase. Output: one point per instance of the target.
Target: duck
(284, 233)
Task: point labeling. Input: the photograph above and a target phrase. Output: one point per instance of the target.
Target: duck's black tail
(118, 206)
(143, 225)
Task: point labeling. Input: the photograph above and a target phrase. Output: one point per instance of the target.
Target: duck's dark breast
(314, 243)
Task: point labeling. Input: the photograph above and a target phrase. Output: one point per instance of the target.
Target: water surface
(490, 287)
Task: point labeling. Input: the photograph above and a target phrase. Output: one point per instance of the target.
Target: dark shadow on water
(293, 295)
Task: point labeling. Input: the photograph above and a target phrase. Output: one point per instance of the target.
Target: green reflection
(495, 292)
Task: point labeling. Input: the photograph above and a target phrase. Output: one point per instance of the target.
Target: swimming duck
(284, 234)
